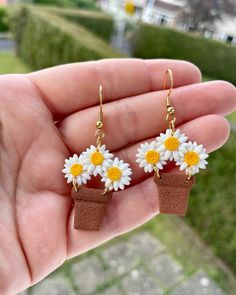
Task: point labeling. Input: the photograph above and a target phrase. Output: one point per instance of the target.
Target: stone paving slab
(139, 283)
(137, 266)
(145, 244)
(88, 274)
(53, 286)
(166, 270)
(111, 291)
(120, 258)
(199, 284)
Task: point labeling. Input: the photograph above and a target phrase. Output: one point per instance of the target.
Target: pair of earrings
(173, 189)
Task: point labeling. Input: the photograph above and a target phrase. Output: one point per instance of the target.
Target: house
(166, 12)
(162, 12)
(150, 11)
(225, 29)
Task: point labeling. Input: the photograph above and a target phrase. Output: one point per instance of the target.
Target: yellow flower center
(171, 144)
(191, 158)
(114, 173)
(76, 169)
(152, 157)
(96, 158)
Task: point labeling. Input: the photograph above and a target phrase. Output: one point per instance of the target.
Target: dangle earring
(173, 189)
(90, 204)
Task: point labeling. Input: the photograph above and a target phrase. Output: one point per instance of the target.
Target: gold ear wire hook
(99, 123)
(168, 72)
(99, 133)
(170, 118)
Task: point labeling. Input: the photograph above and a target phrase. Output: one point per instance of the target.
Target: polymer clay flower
(192, 158)
(75, 168)
(117, 175)
(97, 159)
(170, 143)
(150, 156)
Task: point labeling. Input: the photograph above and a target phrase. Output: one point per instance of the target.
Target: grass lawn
(232, 117)
(213, 203)
(11, 64)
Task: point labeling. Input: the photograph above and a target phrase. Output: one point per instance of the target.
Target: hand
(36, 215)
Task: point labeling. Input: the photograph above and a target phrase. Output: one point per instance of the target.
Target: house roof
(167, 5)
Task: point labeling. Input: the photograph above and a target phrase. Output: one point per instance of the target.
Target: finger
(212, 131)
(134, 119)
(69, 88)
(137, 204)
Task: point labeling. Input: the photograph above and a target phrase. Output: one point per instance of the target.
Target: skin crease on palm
(36, 216)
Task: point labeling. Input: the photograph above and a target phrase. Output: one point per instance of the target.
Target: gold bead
(99, 124)
(170, 110)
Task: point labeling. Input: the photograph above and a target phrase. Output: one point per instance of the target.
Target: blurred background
(169, 255)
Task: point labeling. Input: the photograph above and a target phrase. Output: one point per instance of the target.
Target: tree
(201, 15)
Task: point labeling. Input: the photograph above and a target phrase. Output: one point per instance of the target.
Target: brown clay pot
(90, 207)
(174, 190)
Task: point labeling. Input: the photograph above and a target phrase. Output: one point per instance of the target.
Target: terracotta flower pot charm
(173, 188)
(90, 207)
(90, 204)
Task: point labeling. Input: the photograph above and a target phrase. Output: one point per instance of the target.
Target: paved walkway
(6, 44)
(140, 265)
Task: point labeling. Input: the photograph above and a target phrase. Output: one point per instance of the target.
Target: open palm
(48, 115)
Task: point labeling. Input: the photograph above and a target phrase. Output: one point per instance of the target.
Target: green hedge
(3, 19)
(99, 23)
(215, 59)
(84, 4)
(45, 40)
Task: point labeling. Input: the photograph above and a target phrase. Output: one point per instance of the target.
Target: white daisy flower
(192, 158)
(150, 156)
(97, 159)
(75, 168)
(171, 143)
(117, 175)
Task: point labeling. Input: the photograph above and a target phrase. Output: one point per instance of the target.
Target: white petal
(121, 186)
(124, 166)
(159, 166)
(150, 168)
(203, 156)
(167, 155)
(199, 149)
(168, 132)
(126, 181)
(115, 185)
(183, 139)
(183, 166)
(146, 169)
(177, 133)
(70, 178)
(90, 168)
(116, 162)
(153, 145)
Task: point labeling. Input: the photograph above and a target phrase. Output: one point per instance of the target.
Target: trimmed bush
(59, 3)
(215, 59)
(99, 23)
(45, 40)
(3, 19)
(84, 4)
